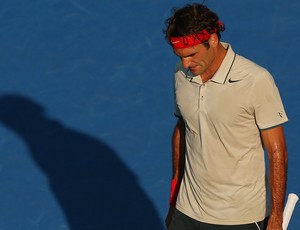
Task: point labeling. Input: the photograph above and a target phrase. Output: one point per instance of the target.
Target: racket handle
(288, 209)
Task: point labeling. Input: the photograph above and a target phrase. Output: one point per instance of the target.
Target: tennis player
(229, 110)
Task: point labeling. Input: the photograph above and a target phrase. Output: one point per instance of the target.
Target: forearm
(278, 177)
(178, 150)
(274, 142)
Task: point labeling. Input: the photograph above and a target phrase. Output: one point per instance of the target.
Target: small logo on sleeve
(281, 114)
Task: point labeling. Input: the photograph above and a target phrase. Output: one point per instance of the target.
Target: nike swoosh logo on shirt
(233, 81)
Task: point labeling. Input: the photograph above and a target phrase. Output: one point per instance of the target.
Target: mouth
(193, 69)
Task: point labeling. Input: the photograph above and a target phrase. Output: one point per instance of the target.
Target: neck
(220, 53)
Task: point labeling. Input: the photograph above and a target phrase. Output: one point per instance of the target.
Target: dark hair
(192, 19)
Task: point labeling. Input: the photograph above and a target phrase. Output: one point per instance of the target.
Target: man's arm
(178, 150)
(178, 155)
(274, 142)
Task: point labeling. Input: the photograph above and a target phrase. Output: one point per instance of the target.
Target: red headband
(192, 39)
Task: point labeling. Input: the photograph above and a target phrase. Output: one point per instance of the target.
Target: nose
(185, 62)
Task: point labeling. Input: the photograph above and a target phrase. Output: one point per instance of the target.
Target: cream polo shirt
(224, 179)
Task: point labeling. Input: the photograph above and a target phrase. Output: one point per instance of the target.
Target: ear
(213, 40)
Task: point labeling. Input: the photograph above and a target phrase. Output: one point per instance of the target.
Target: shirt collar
(222, 73)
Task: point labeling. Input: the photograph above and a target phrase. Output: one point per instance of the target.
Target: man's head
(194, 33)
(192, 25)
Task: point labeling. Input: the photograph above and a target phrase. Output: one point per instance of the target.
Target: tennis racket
(288, 209)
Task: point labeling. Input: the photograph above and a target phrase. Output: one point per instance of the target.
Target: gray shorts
(181, 221)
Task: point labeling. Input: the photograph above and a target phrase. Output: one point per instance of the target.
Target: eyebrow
(189, 55)
(192, 54)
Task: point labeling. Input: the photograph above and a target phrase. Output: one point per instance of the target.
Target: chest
(220, 104)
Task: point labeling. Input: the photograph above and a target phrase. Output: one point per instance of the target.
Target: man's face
(197, 59)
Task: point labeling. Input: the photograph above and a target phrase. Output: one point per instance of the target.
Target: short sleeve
(268, 107)
(177, 112)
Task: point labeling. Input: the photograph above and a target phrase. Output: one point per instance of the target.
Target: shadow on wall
(94, 188)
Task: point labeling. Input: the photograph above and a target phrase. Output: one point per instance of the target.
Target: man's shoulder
(244, 67)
